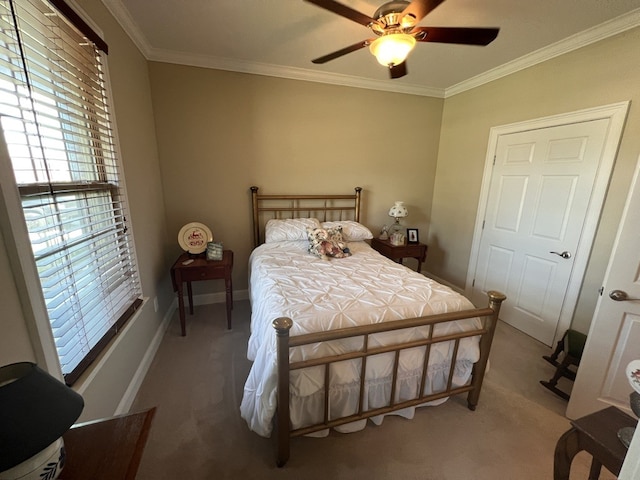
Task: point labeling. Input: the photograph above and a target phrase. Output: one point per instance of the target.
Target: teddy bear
(326, 243)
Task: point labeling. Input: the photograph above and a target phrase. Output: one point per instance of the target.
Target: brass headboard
(323, 207)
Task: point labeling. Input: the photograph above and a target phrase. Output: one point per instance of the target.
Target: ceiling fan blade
(341, 52)
(344, 11)
(461, 35)
(418, 9)
(397, 71)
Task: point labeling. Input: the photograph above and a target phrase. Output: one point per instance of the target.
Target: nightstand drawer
(417, 251)
(202, 273)
(398, 252)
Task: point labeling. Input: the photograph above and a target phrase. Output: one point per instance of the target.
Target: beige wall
(600, 74)
(221, 132)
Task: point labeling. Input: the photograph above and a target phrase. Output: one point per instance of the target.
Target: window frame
(18, 246)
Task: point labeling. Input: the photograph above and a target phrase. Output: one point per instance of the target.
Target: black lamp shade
(35, 410)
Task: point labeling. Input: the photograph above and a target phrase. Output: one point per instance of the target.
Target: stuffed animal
(326, 243)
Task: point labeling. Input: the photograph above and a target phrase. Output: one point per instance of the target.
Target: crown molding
(128, 24)
(579, 40)
(293, 73)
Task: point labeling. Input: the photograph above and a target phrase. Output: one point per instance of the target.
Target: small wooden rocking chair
(572, 344)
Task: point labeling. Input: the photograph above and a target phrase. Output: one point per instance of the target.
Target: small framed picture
(412, 235)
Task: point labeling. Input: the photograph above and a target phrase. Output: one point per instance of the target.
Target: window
(54, 116)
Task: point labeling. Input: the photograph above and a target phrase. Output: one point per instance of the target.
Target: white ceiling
(280, 37)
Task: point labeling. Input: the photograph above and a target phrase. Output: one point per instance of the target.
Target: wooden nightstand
(597, 434)
(398, 252)
(201, 269)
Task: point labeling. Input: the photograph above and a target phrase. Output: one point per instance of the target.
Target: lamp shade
(35, 410)
(398, 210)
(392, 49)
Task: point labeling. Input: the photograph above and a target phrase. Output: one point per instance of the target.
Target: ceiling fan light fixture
(392, 49)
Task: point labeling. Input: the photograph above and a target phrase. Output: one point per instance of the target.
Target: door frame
(616, 113)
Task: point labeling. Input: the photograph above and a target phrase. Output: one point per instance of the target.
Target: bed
(339, 340)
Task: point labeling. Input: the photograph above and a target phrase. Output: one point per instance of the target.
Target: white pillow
(288, 229)
(351, 231)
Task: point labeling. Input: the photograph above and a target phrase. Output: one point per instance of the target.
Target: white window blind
(54, 116)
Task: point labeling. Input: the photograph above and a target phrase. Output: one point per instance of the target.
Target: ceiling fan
(395, 24)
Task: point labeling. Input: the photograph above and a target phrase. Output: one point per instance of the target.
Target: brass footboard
(489, 318)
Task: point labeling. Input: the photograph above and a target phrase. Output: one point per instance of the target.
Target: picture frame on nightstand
(412, 235)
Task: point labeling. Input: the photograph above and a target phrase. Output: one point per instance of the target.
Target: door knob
(620, 296)
(564, 254)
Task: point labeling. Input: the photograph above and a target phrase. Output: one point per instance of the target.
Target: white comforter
(320, 295)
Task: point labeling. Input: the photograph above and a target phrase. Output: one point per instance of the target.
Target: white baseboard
(132, 390)
(443, 282)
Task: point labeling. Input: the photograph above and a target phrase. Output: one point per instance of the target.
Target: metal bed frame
(343, 207)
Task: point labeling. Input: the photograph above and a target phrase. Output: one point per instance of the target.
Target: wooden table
(398, 252)
(596, 434)
(201, 269)
(106, 449)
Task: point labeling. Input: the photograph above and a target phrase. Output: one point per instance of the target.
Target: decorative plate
(633, 374)
(193, 237)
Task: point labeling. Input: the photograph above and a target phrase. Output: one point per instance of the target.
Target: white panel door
(540, 191)
(614, 337)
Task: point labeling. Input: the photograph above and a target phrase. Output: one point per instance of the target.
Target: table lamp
(397, 211)
(35, 410)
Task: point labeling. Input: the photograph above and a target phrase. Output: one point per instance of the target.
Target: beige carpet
(196, 382)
